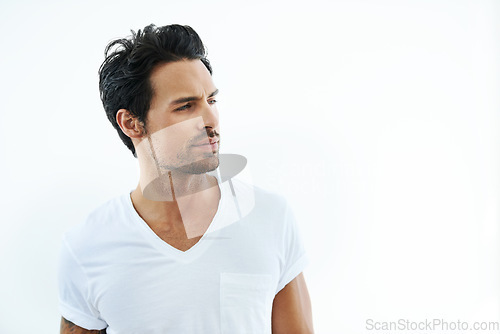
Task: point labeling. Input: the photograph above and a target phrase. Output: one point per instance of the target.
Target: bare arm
(67, 327)
(292, 312)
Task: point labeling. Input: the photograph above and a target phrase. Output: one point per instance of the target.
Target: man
(186, 251)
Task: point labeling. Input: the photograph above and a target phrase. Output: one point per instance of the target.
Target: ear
(130, 125)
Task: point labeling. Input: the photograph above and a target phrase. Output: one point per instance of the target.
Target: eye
(212, 101)
(184, 107)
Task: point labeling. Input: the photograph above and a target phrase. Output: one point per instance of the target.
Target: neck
(178, 201)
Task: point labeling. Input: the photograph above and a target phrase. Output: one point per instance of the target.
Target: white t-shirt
(116, 273)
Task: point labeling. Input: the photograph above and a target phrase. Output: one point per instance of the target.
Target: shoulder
(260, 205)
(262, 196)
(98, 225)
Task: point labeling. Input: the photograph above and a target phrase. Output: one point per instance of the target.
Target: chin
(201, 166)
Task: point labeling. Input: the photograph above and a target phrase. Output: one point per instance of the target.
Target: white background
(379, 121)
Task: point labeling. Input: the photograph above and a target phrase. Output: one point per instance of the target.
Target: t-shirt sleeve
(74, 304)
(294, 254)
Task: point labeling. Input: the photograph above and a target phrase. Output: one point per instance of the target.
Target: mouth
(211, 145)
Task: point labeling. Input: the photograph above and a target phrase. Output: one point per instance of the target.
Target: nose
(210, 116)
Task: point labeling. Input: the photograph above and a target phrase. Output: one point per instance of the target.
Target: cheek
(176, 137)
(169, 143)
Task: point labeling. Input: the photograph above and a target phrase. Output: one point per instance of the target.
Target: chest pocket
(246, 303)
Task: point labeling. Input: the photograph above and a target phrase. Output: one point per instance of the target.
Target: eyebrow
(191, 98)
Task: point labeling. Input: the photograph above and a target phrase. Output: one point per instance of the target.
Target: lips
(206, 142)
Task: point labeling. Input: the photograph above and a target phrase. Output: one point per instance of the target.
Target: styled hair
(124, 76)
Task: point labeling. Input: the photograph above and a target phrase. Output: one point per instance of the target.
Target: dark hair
(124, 75)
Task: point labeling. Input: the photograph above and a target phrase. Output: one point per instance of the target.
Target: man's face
(182, 125)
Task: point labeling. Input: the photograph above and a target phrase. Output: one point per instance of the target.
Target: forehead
(182, 78)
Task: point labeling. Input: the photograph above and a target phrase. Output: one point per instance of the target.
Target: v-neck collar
(164, 247)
